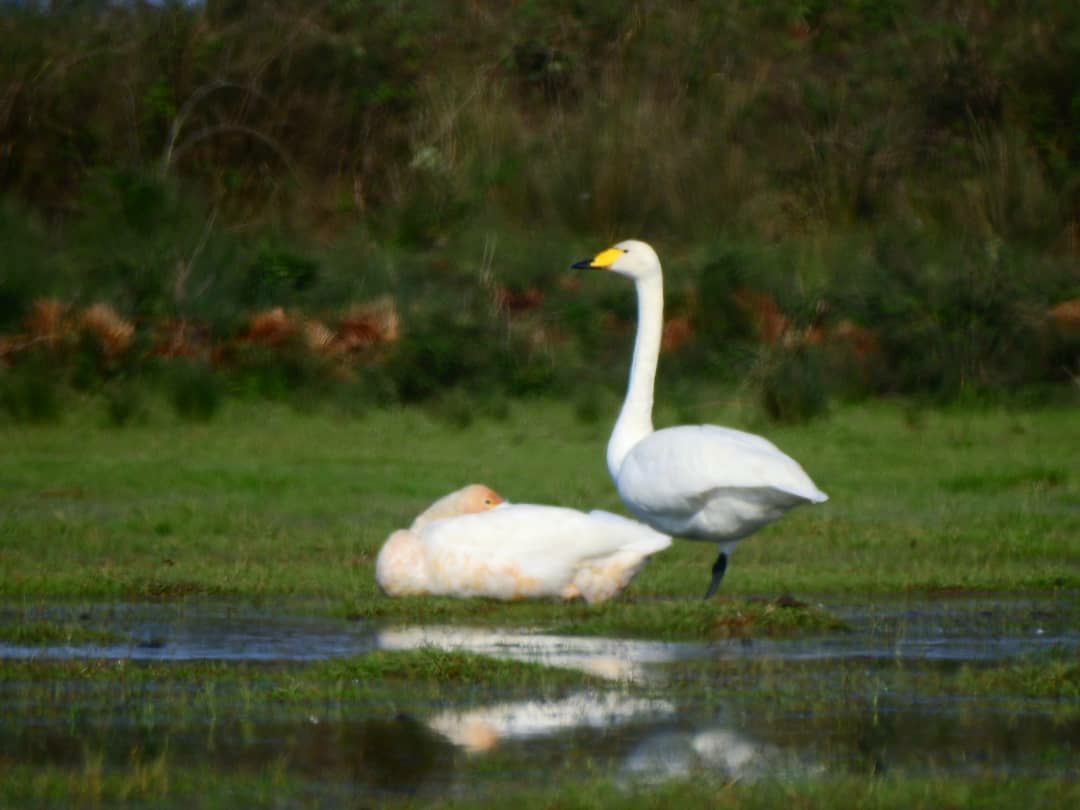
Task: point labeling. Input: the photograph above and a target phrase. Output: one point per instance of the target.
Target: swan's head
(477, 498)
(631, 258)
(465, 501)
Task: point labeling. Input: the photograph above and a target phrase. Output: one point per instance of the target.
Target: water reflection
(609, 658)
(719, 751)
(884, 697)
(481, 729)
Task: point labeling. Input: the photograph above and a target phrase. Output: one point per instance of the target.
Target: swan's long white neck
(635, 418)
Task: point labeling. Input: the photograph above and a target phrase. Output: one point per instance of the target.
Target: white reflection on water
(610, 658)
(482, 729)
(719, 751)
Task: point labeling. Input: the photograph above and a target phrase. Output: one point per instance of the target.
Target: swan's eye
(626, 250)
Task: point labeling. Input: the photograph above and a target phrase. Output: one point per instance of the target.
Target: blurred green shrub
(197, 392)
(31, 392)
(791, 384)
(952, 316)
(24, 266)
(455, 407)
(125, 402)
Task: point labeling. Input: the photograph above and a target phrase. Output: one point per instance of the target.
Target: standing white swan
(699, 482)
(514, 551)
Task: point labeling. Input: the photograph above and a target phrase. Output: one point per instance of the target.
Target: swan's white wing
(522, 531)
(697, 458)
(739, 437)
(673, 477)
(529, 550)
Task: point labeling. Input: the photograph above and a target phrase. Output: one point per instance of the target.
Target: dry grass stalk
(1064, 319)
(369, 324)
(271, 327)
(48, 321)
(113, 332)
(318, 338)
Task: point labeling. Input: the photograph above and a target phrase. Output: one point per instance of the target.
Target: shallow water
(195, 632)
(955, 629)
(881, 697)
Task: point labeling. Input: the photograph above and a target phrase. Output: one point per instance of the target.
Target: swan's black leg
(717, 573)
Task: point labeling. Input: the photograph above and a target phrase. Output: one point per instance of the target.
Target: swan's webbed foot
(718, 569)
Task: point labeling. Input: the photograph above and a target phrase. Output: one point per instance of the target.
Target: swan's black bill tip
(584, 264)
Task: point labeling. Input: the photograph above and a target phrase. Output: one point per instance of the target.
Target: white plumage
(517, 551)
(699, 482)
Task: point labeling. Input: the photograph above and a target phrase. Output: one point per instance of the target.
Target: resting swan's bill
(515, 551)
(699, 482)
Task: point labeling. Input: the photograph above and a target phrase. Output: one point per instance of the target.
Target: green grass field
(268, 502)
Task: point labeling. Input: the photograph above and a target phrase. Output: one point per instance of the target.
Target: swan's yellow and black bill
(601, 261)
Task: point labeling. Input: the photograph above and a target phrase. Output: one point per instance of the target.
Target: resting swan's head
(479, 498)
(465, 501)
(630, 258)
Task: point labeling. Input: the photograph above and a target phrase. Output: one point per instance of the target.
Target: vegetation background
(349, 205)
(851, 198)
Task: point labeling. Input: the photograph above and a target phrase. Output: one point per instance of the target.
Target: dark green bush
(125, 402)
(952, 316)
(276, 273)
(455, 407)
(720, 320)
(24, 264)
(31, 392)
(277, 372)
(197, 391)
(366, 386)
(791, 384)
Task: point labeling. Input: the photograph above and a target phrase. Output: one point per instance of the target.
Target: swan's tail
(637, 536)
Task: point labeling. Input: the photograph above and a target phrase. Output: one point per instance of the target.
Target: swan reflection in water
(669, 751)
(481, 729)
(608, 658)
(717, 750)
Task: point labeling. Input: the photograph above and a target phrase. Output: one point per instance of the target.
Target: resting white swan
(515, 551)
(699, 482)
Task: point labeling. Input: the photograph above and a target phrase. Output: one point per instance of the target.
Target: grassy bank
(267, 502)
(153, 783)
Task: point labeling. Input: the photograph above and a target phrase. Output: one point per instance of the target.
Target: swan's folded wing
(674, 469)
(541, 536)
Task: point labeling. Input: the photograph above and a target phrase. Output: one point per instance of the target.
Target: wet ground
(954, 685)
